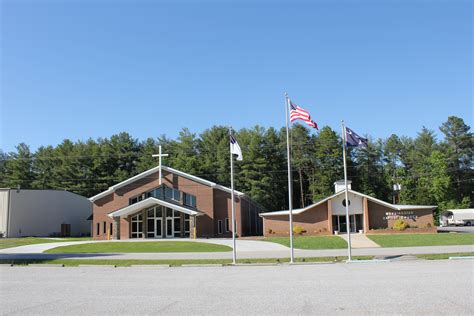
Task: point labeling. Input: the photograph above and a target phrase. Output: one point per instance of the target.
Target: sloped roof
(397, 207)
(167, 169)
(149, 202)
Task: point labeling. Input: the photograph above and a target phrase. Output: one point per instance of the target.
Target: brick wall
(382, 217)
(314, 221)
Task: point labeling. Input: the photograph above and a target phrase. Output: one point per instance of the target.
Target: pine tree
(18, 168)
(458, 147)
(327, 162)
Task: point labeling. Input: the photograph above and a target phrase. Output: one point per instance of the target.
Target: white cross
(159, 155)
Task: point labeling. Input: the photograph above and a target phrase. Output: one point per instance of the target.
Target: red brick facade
(214, 203)
(375, 217)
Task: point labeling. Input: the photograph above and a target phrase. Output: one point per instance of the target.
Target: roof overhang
(396, 207)
(150, 202)
(142, 175)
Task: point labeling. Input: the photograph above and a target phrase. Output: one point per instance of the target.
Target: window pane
(176, 195)
(186, 226)
(158, 228)
(193, 201)
(186, 216)
(159, 212)
(177, 226)
(168, 193)
(134, 227)
(140, 227)
(140, 217)
(151, 225)
(169, 212)
(151, 213)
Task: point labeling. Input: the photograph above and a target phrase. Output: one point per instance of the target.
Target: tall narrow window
(111, 228)
(137, 228)
(105, 227)
(219, 227)
(227, 225)
(98, 229)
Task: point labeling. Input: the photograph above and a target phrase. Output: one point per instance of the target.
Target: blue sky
(81, 69)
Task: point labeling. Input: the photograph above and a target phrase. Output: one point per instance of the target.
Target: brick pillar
(330, 216)
(181, 224)
(366, 214)
(192, 226)
(116, 228)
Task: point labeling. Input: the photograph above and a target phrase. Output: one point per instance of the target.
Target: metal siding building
(43, 213)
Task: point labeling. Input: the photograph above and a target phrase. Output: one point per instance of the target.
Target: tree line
(430, 171)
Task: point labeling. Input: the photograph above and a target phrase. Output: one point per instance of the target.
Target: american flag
(298, 113)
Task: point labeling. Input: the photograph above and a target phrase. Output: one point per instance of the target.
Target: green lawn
(125, 263)
(311, 242)
(16, 242)
(143, 246)
(414, 240)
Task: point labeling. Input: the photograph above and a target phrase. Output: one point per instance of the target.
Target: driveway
(457, 229)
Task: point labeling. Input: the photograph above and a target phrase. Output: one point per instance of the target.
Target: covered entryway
(339, 223)
(155, 218)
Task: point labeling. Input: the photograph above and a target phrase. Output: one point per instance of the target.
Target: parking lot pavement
(457, 229)
(408, 287)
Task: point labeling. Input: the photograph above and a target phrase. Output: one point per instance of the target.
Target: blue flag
(354, 140)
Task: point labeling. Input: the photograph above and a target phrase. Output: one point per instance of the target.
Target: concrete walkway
(360, 241)
(241, 245)
(378, 252)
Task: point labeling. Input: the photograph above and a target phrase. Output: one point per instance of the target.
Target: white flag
(235, 148)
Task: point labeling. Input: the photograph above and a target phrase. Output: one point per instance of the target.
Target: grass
(141, 247)
(126, 263)
(441, 256)
(415, 240)
(311, 242)
(16, 242)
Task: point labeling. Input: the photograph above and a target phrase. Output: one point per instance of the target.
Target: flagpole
(290, 189)
(234, 254)
(348, 222)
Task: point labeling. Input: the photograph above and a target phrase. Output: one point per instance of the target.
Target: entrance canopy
(149, 202)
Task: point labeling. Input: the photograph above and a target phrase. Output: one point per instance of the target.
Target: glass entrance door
(169, 223)
(339, 223)
(342, 224)
(159, 228)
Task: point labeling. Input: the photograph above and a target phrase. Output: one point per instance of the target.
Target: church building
(179, 205)
(366, 215)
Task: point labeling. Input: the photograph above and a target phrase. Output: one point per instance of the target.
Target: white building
(43, 213)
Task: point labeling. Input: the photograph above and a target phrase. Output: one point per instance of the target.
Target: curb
(6, 264)
(150, 266)
(45, 265)
(270, 264)
(461, 258)
(97, 266)
(308, 263)
(201, 265)
(368, 261)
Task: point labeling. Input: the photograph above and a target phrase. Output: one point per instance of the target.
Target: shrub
(400, 225)
(428, 225)
(298, 230)
(270, 231)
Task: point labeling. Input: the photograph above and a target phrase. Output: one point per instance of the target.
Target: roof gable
(397, 207)
(144, 174)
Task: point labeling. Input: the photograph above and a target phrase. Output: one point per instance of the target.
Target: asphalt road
(408, 287)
